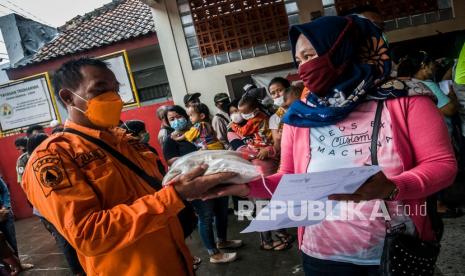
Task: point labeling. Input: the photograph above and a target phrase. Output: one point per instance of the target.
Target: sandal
(196, 261)
(285, 238)
(276, 246)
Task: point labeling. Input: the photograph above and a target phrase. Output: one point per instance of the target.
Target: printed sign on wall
(118, 63)
(26, 102)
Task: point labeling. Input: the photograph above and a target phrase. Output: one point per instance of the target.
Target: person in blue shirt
(7, 226)
(7, 219)
(420, 65)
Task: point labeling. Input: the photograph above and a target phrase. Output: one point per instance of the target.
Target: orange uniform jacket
(117, 223)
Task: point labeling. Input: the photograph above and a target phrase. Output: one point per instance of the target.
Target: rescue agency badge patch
(50, 176)
(50, 173)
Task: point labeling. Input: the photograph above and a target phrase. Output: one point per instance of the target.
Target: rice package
(218, 161)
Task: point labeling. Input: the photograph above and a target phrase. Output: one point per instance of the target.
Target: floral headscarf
(365, 50)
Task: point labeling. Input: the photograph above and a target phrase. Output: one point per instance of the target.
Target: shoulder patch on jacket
(50, 173)
(83, 159)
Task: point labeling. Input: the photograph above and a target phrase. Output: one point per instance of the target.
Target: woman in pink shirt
(344, 63)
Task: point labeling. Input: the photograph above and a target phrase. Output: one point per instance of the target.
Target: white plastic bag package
(217, 161)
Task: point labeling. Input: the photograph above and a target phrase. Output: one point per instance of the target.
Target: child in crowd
(201, 133)
(255, 132)
(256, 137)
(251, 135)
(290, 95)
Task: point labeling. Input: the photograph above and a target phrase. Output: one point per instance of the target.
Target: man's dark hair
(133, 127)
(360, 9)
(33, 128)
(201, 108)
(69, 74)
(21, 142)
(34, 141)
(279, 80)
(178, 109)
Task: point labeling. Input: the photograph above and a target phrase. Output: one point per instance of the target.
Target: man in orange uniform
(118, 224)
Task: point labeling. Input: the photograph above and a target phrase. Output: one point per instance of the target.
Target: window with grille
(219, 32)
(398, 14)
(152, 84)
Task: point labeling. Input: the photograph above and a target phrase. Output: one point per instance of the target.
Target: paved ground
(38, 247)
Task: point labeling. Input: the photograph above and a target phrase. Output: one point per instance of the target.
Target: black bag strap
(374, 148)
(431, 210)
(222, 117)
(152, 181)
(374, 136)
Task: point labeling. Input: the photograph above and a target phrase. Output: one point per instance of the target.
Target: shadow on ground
(38, 247)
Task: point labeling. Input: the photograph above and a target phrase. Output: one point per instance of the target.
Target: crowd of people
(95, 182)
(245, 125)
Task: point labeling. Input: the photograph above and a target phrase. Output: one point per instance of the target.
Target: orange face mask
(103, 110)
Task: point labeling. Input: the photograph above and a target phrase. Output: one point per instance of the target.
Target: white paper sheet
(445, 86)
(295, 190)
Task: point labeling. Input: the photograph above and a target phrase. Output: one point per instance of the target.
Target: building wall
(139, 59)
(53, 64)
(143, 53)
(145, 58)
(212, 80)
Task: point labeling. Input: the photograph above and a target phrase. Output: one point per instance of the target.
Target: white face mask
(279, 101)
(237, 118)
(249, 116)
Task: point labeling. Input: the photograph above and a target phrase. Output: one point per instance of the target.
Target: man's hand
(194, 184)
(376, 187)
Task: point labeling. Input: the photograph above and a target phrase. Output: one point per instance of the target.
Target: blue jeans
(8, 229)
(208, 211)
(317, 267)
(69, 252)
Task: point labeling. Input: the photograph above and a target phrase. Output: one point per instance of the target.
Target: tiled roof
(114, 22)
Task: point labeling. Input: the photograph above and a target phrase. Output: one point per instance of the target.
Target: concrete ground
(38, 247)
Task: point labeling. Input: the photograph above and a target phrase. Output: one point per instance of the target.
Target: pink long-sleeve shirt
(420, 137)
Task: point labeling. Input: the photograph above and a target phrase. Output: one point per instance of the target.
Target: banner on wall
(27, 102)
(118, 63)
